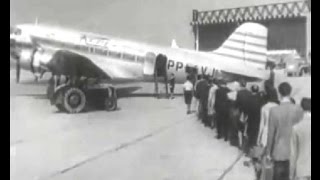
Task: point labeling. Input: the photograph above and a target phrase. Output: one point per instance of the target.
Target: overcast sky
(151, 21)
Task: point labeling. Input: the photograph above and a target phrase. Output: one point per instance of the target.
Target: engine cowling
(40, 60)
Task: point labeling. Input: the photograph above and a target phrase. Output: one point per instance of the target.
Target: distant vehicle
(298, 67)
(290, 61)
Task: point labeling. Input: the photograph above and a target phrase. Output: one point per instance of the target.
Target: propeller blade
(18, 69)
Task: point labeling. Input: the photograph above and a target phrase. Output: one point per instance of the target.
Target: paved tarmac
(147, 138)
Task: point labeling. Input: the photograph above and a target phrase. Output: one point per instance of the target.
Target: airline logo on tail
(248, 44)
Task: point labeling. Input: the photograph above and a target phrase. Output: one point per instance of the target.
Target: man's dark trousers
(204, 112)
(222, 124)
(281, 170)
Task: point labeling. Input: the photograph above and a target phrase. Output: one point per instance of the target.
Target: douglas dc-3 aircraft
(88, 60)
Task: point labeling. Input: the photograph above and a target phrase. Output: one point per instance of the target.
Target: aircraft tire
(74, 100)
(60, 107)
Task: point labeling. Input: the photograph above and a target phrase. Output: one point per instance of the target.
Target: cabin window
(140, 59)
(100, 51)
(68, 45)
(115, 54)
(17, 31)
(77, 47)
(129, 57)
(61, 44)
(84, 48)
(106, 52)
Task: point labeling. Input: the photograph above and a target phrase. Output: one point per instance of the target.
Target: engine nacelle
(24, 56)
(40, 59)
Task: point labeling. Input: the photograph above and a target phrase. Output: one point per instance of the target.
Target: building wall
(150, 21)
(309, 33)
(282, 34)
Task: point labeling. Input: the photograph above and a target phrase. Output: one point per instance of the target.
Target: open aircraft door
(149, 64)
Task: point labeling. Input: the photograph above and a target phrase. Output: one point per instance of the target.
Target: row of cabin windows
(103, 52)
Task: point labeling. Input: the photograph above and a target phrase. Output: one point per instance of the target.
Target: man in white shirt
(300, 161)
(211, 101)
(188, 89)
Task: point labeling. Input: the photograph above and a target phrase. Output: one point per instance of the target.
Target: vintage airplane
(88, 60)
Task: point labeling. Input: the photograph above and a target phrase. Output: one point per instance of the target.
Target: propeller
(15, 54)
(16, 57)
(18, 69)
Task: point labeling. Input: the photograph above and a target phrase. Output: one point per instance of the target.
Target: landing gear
(110, 102)
(74, 99)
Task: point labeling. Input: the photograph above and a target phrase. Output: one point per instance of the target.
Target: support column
(195, 29)
(156, 85)
(197, 38)
(308, 34)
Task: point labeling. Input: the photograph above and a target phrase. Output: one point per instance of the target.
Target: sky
(150, 21)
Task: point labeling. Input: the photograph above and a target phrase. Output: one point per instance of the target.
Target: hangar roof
(253, 13)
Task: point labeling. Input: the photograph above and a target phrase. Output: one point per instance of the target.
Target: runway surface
(147, 138)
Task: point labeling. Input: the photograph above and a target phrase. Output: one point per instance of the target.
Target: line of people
(273, 132)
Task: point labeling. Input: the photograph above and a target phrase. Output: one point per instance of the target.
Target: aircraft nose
(12, 43)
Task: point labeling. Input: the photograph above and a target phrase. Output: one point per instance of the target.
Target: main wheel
(74, 100)
(60, 107)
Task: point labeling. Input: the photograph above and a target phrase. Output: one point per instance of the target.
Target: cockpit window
(15, 31)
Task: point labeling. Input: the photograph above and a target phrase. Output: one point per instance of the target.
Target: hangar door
(288, 33)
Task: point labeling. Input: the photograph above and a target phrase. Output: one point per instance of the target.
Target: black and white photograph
(160, 90)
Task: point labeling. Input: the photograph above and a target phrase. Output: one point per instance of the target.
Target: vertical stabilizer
(248, 43)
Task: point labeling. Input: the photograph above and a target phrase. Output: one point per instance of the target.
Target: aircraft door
(149, 64)
(161, 65)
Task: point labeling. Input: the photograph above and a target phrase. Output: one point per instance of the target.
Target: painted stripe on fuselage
(240, 58)
(247, 43)
(245, 50)
(251, 35)
(248, 39)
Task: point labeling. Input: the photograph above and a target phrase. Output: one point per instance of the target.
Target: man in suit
(197, 96)
(255, 104)
(300, 162)
(281, 120)
(221, 107)
(202, 91)
(172, 82)
(243, 103)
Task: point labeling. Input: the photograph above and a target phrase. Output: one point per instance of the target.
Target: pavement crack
(17, 142)
(112, 150)
(228, 170)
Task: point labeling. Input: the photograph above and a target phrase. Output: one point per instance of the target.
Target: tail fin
(247, 43)
(174, 44)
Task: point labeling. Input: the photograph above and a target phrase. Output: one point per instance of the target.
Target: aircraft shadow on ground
(122, 92)
(130, 92)
(33, 82)
(35, 96)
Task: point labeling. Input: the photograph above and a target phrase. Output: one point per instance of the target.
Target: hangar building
(289, 25)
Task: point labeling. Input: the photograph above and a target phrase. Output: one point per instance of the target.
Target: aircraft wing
(70, 63)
